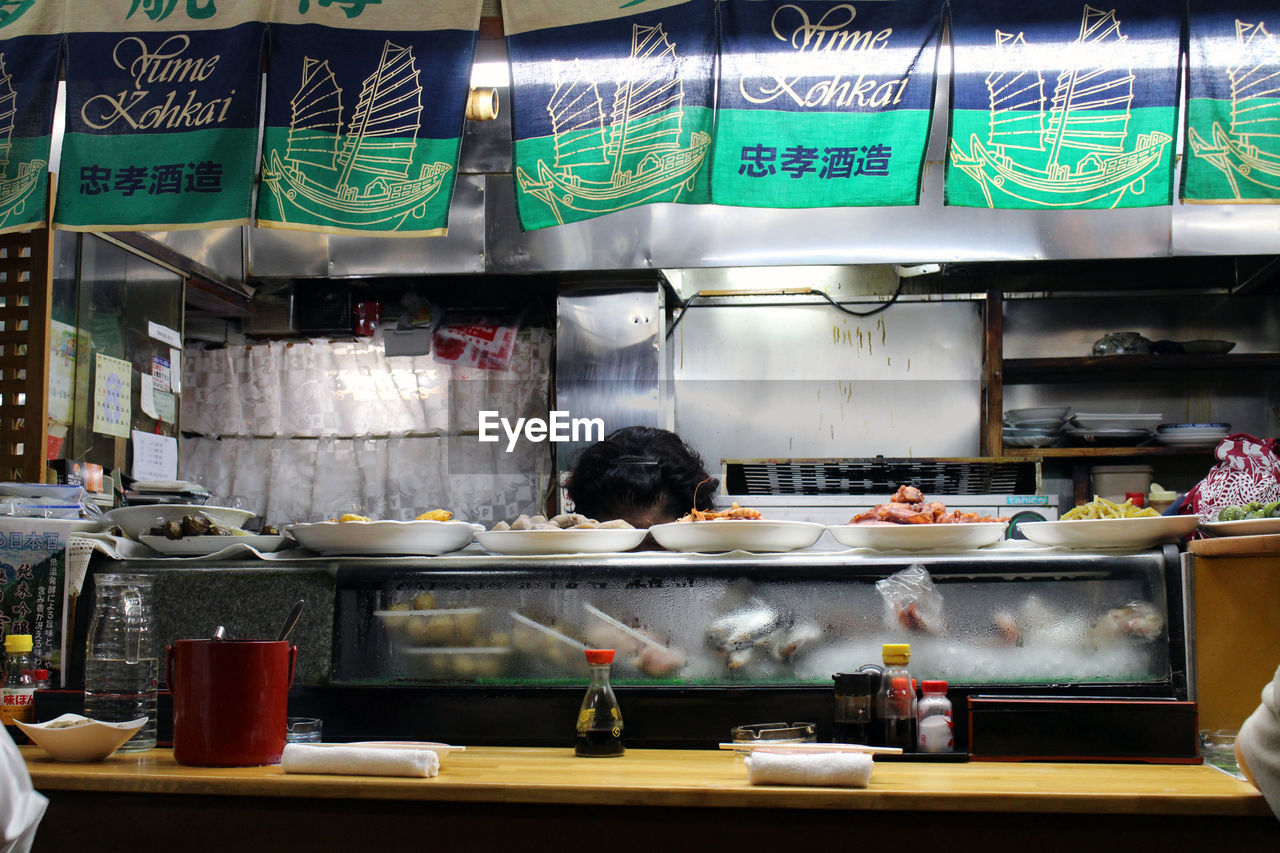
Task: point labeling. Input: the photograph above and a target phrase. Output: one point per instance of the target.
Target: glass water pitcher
(120, 667)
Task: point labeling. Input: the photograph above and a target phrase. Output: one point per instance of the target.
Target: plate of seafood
(569, 533)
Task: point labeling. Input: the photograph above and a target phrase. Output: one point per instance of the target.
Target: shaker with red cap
(599, 730)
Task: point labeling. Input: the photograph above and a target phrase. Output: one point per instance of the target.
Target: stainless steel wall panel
(1226, 229)
(219, 249)
(809, 381)
(609, 358)
(277, 253)
(274, 253)
(460, 251)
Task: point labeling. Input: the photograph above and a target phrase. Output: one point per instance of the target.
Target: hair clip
(635, 460)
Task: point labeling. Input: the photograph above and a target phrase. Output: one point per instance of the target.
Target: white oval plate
(137, 520)
(92, 740)
(737, 534)
(592, 540)
(202, 546)
(1243, 527)
(919, 537)
(1090, 533)
(384, 538)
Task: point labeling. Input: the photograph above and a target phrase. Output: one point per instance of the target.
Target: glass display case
(1021, 618)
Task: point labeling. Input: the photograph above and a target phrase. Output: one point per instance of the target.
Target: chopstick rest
(358, 761)
(839, 769)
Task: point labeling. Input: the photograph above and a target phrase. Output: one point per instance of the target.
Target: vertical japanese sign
(611, 105)
(365, 108)
(162, 113)
(32, 572)
(30, 47)
(824, 104)
(1233, 103)
(1062, 104)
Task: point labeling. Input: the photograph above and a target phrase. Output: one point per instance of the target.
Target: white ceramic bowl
(137, 520)
(87, 740)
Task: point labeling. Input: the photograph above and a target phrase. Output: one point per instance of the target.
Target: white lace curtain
(303, 431)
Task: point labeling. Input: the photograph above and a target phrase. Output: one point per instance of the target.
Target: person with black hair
(643, 475)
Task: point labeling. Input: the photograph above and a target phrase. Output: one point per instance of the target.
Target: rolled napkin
(358, 761)
(842, 769)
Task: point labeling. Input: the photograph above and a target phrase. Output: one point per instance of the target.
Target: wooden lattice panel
(25, 286)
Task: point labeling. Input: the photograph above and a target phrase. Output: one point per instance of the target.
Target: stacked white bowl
(1040, 426)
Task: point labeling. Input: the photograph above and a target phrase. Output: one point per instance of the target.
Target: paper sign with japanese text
(112, 396)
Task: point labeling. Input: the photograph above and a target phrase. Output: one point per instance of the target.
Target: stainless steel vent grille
(879, 476)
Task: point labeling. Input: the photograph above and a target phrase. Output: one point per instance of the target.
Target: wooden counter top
(690, 778)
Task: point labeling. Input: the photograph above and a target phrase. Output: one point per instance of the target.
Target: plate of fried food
(734, 529)
(1106, 524)
(568, 533)
(429, 534)
(910, 523)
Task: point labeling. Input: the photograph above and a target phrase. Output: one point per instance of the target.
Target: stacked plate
(1036, 427)
(1192, 435)
(1117, 428)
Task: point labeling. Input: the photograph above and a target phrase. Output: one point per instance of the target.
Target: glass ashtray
(771, 733)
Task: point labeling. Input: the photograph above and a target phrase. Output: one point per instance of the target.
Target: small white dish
(74, 737)
(919, 537)
(737, 534)
(138, 520)
(590, 540)
(203, 546)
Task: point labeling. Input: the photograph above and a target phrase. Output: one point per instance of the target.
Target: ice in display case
(1023, 618)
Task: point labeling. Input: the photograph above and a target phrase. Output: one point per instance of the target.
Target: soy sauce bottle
(896, 704)
(599, 719)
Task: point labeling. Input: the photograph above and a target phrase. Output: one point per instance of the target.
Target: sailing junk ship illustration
(1251, 148)
(1088, 112)
(361, 177)
(637, 155)
(13, 190)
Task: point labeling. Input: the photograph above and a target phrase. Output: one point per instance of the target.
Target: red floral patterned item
(1248, 469)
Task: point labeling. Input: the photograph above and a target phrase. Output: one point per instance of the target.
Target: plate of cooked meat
(910, 523)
